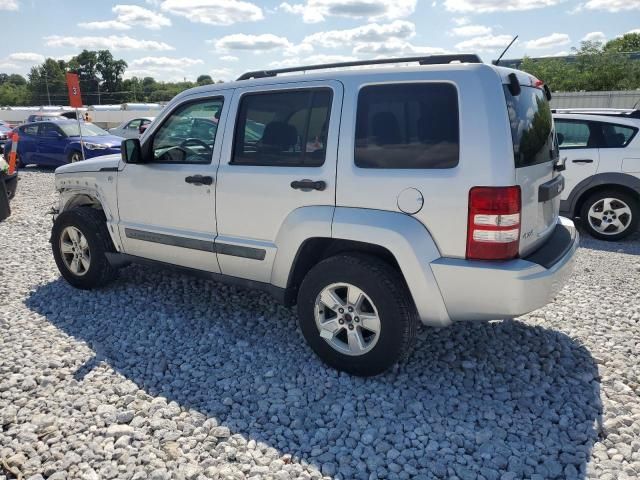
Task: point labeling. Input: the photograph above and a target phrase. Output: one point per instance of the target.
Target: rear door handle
(199, 180)
(308, 185)
(582, 160)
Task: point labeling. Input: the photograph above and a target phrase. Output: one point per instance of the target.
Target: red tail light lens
(494, 223)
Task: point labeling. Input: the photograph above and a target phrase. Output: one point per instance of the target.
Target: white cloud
(460, 21)
(372, 32)
(229, 58)
(214, 12)
(8, 66)
(167, 63)
(311, 60)
(485, 42)
(594, 37)
(550, 41)
(242, 41)
(395, 47)
(224, 74)
(636, 30)
(27, 57)
(8, 4)
(111, 42)
(105, 25)
(313, 11)
(611, 5)
(483, 6)
(128, 16)
(470, 31)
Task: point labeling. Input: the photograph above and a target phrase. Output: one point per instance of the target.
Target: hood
(92, 165)
(110, 140)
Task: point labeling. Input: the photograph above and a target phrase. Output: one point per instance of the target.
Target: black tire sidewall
(96, 273)
(392, 342)
(628, 199)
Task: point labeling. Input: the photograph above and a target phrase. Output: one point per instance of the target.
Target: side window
(617, 136)
(29, 130)
(407, 126)
(283, 128)
(48, 129)
(574, 134)
(188, 134)
(133, 125)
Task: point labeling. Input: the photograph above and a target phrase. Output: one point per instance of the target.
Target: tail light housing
(493, 232)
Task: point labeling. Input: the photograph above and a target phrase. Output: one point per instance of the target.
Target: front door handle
(582, 160)
(199, 180)
(308, 185)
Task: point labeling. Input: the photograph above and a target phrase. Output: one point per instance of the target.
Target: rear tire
(610, 215)
(79, 240)
(372, 323)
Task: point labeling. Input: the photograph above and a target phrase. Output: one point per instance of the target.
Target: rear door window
(531, 127)
(579, 134)
(407, 126)
(617, 136)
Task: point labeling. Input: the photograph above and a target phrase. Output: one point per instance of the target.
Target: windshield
(88, 130)
(531, 127)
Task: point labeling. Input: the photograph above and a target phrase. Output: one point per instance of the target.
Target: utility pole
(99, 103)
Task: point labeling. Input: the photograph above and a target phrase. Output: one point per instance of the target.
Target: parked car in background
(52, 116)
(56, 143)
(5, 133)
(132, 128)
(602, 151)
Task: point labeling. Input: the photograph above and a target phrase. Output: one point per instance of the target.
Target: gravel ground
(165, 376)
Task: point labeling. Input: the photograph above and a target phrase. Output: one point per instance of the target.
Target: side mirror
(131, 151)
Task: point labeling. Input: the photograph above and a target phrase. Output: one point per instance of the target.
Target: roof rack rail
(429, 60)
(607, 112)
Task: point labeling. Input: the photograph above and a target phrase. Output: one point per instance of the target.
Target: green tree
(110, 71)
(204, 80)
(629, 42)
(47, 83)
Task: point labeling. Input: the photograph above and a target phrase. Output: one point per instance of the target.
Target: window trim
(148, 144)
(278, 91)
(599, 123)
(407, 82)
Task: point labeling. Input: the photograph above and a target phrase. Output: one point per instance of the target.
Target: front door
(579, 141)
(167, 206)
(280, 157)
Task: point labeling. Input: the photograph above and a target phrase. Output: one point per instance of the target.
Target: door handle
(582, 160)
(199, 180)
(307, 185)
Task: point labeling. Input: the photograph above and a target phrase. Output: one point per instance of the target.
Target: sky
(180, 39)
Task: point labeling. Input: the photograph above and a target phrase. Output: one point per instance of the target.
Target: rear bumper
(477, 290)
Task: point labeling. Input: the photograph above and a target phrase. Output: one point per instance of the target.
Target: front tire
(74, 156)
(356, 314)
(610, 215)
(79, 241)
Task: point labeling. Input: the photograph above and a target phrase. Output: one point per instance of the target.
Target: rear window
(404, 126)
(531, 127)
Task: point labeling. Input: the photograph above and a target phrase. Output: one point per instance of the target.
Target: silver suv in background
(602, 152)
(374, 199)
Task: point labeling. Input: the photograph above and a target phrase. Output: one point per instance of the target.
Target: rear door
(283, 134)
(27, 146)
(535, 152)
(579, 142)
(51, 144)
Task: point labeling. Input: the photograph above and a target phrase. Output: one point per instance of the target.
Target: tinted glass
(617, 136)
(283, 128)
(189, 134)
(531, 127)
(134, 124)
(407, 126)
(49, 129)
(29, 130)
(574, 134)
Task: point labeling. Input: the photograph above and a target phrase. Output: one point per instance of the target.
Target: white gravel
(165, 376)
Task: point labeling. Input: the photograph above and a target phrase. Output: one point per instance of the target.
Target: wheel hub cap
(347, 319)
(609, 216)
(75, 252)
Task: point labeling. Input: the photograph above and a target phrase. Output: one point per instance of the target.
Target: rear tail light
(494, 223)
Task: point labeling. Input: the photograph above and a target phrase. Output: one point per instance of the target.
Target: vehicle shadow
(629, 245)
(473, 398)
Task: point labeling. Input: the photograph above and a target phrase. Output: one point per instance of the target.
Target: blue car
(57, 143)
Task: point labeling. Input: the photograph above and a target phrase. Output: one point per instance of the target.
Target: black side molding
(556, 247)
(109, 169)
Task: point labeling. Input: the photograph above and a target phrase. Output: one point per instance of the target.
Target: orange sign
(73, 84)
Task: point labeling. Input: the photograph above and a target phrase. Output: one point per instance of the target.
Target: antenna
(497, 62)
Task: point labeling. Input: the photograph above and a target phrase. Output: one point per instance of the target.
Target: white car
(132, 128)
(373, 199)
(602, 152)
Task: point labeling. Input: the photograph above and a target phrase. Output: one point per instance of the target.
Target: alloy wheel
(609, 216)
(75, 251)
